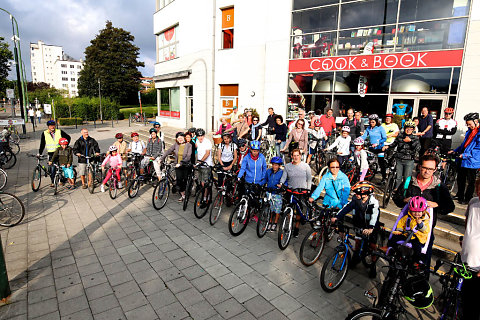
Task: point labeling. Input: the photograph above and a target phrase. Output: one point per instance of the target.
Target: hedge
(86, 108)
(69, 121)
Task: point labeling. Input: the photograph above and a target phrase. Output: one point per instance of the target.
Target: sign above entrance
(427, 59)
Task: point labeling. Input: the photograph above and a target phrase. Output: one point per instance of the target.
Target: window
(72, 86)
(315, 20)
(351, 42)
(34, 73)
(72, 66)
(456, 76)
(163, 3)
(313, 45)
(167, 44)
(72, 79)
(72, 72)
(63, 65)
(303, 4)
(227, 28)
(411, 10)
(64, 79)
(368, 13)
(65, 85)
(428, 81)
(170, 102)
(228, 98)
(64, 72)
(79, 67)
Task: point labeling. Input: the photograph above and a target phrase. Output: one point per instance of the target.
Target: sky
(73, 23)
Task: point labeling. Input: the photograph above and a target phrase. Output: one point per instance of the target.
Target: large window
(302, 4)
(315, 20)
(411, 10)
(170, 102)
(428, 81)
(368, 13)
(167, 44)
(227, 28)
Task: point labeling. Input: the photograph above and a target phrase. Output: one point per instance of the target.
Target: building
(51, 65)
(376, 56)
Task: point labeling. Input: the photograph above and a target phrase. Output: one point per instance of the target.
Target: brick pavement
(84, 256)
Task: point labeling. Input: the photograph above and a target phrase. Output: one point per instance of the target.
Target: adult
(188, 139)
(469, 159)
(358, 117)
(353, 123)
(224, 126)
(183, 153)
(234, 115)
(425, 130)
(121, 148)
(155, 150)
(328, 122)
(226, 155)
(139, 148)
(317, 137)
(377, 136)
(270, 121)
(253, 167)
(85, 146)
(298, 175)
(298, 138)
(204, 155)
(50, 140)
(255, 129)
(240, 129)
(38, 113)
(444, 130)
(280, 129)
(31, 114)
(249, 116)
(301, 116)
(391, 129)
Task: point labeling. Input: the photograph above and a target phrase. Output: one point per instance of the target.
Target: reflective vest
(51, 144)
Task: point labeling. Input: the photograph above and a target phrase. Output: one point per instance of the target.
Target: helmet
(179, 134)
(119, 136)
(224, 134)
(373, 116)
(276, 160)
(417, 204)
(363, 187)
(63, 141)
(241, 142)
(346, 128)
(152, 130)
(418, 292)
(200, 132)
(359, 141)
(449, 110)
(409, 124)
(317, 123)
(192, 130)
(134, 134)
(389, 115)
(50, 123)
(255, 145)
(112, 148)
(471, 116)
(157, 124)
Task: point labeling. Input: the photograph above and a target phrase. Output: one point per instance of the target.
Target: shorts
(204, 174)
(68, 172)
(276, 203)
(312, 150)
(144, 162)
(82, 168)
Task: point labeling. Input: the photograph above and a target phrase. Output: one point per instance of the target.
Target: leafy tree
(32, 86)
(5, 56)
(112, 58)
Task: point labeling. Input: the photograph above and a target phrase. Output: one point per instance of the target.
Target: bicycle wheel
(312, 246)
(370, 175)
(161, 193)
(12, 210)
(201, 207)
(56, 182)
(451, 177)
(133, 188)
(365, 313)
(74, 176)
(10, 158)
(14, 146)
(389, 186)
(286, 228)
(334, 270)
(188, 190)
(15, 137)
(112, 188)
(263, 220)
(3, 179)
(36, 179)
(216, 208)
(90, 179)
(238, 218)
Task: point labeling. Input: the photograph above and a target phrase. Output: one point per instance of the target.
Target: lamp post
(100, 97)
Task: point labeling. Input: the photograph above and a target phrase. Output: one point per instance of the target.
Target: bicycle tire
(11, 159)
(236, 223)
(285, 231)
(36, 178)
(6, 211)
(3, 179)
(315, 239)
(133, 188)
(365, 313)
(56, 183)
(451, 177)
(14, 136)
(90, 182)
(201, 212)
(387, 193)
(330, 265)
(112, 188)
(74, 176)
(216, 208)
(14, 147)
(160, 195)
(263, 220)
(188, 190)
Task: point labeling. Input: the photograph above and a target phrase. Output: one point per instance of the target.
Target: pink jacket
(115, 161)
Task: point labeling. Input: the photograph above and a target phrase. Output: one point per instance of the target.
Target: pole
(100, 97)
(140, 101)
(19, 80)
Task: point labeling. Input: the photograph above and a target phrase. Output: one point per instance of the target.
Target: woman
(183, 153)
(336, 186)
(298, 135)
(255, 129)
(188, 139)
(377, 136)
(226, 155)
(240, 129)
(224, 126)
(280, 129)
(298, 175)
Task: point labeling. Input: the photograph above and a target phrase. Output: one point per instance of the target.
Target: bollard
(112, 121)
(5, 291)
(129, 119)
(76, 123)
(94, 123)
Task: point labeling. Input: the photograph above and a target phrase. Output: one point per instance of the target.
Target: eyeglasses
(448, 113)
(255, 120)
(337, 167)
(429, 169)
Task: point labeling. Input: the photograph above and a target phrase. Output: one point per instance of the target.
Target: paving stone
(244, 316)
(42, 308)
(204, 282)
(86, 260)
(178, 285)
(274, 315)
(126, 288)
(201, 310)
(119, 277)
(216, 295)
(98, 291)
(172, 311)
(229, 281)
(258, 306)
(84, 314)
(229, 308)
(94, 279)
(112, 314)
(169, 274)
(138, 266)
(242, 292)
(50, 316)
(73, 305)
(132, 301)
(193, 272)
(70, 292)
(145, 276)
(152, 286)
(67, 281)
(86, 270)
(104, 303)
(286, 304)
(189, 297)
(161, 299)
(145, 312)
(302, 314)
(35, 296)
(114, 268)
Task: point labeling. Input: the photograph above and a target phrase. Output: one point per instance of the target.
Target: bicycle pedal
(370, 295)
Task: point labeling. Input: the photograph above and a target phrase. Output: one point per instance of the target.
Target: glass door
(401, 105)
(411, 106)
(435, 106)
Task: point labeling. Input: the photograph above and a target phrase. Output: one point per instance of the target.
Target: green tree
(112, 59)
(5, 56)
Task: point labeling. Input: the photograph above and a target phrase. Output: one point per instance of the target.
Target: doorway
(189, 105)
(412, 105)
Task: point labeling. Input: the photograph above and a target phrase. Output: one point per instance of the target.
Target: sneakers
(119, 185)
(84, 186)
(102, 188)
(273, 227)
(254, 218)
(296, 232)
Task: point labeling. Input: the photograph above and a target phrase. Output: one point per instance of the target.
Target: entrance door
(412, 105)
(435, 106)
(189, 112)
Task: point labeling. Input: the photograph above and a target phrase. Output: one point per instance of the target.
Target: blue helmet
(50, 123)
(276, 160)
(255, 145)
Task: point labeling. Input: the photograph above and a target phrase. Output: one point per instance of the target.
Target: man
(428, 186)
(358, 117)
(158, 126)
(328, 122)
(50, 140)
(293, 124)
(240, 129)
(445, 128)
(354, 126)
(391, 129)
(234, 116)
(85, 146)
(204, 154)
(270, 122)
(31, 114)
(425, 130)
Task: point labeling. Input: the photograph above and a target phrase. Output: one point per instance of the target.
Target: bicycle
(201, 207)
(222, 192)
(354, 174)
(39, 171)
(112, 184)
(319, 157)
(268, 149)
(266, 215)
(249, 204)
(390, 181)
(94, 171)
(448, 170)
(322, 232)
(60, 178)
(192, 185)
(13, 133)
(149, 176)
(161, 192)
(7, 159)
(12, 210)
(3, 179)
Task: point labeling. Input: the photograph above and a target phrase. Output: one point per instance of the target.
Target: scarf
(470, 138)
(254, 158)
(254, 130)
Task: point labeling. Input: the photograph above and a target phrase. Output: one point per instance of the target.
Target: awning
(172, 75)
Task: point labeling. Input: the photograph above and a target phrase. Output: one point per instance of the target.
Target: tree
(112, 59)
(5, 56)
(32, 86)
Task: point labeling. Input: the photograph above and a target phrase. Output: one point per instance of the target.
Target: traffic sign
(10, 94)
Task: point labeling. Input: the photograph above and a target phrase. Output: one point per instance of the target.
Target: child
(64, 156)
(343, 145)
(115, 161)
(361, 158)
(273, 176)
(316, 135)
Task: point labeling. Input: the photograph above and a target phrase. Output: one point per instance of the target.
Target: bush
(69, 121)
(86, 108)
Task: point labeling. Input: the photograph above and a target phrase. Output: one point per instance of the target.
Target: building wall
(43, 59)
(68, 81)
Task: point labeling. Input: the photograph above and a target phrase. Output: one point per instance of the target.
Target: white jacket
(342, 144)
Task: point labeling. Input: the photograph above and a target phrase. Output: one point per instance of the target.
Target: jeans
(465, 176)
(404, 169)
(182, 174)
(279, 146)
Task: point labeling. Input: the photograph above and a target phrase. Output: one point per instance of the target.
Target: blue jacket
(254, 171)
(273, 179)
(336, 191)
(377, 135)
(470, 155)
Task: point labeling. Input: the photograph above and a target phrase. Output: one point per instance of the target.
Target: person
(358, 117)
(224, 126)
(270, 121)
(366, 213)
(39, 116)
(158, 126)
(204, 154)
(425, 130)
(298, 138)
(280, 129)
(391, 129)
(64, 156)
(50, 140)
(315, 136)
(301, 116)
(469, 159)
(240, 129)
(183, 153)
(188, 139)
(407, 147)
(226, 155)
(242, 151)
(154, 151)
(85, 146)
(342, 143)
(377, 136)
(273, 176)
(336, 186)
(328, 122)
(139, 148)
(31, 114)
(249, 116)
(255, 129)
(121, 148)
(353, 123)
(234, 116)
(114, 161)
(416, 121)
(470, 255)
(361, 157)
(298, 175)
(444, 130)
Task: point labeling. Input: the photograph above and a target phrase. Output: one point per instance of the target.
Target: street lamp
(100, 97)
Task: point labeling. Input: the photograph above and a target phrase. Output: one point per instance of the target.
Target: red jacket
(328, 124)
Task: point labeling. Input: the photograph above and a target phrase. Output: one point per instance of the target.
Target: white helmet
(346, 128)
(112, 148)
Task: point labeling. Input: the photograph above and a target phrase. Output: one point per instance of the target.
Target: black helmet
(50, 123)
(153, 130)
(200, 132)
(418, 292)
(241, 142)
(179, 134)
(192, 130)
(471, 116)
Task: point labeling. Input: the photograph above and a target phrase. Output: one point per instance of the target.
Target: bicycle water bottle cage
(464, 273)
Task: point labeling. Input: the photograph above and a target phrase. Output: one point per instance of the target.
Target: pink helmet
(417, 204)
(359, 141)
(346, 128)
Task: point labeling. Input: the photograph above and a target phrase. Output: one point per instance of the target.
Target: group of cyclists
(242, 148)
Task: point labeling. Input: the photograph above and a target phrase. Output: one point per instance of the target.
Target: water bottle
(459, 284)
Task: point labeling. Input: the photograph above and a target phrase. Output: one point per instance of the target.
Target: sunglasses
(448, 113)
(336, 167)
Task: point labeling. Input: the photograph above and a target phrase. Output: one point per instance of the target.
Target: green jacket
(63, 157)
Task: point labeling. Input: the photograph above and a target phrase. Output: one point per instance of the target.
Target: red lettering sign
(164, 113)
(428, 59)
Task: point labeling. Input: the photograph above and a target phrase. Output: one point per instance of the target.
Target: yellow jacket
(422, 233)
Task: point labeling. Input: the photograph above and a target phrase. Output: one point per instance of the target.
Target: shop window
(411, 10)
(452, 101)
(455, 79)
(315, 20)
(311, 102)
(167, 44)
(357, 41)
(368, 13)
(170, 102)
(227, 28)
(228, 98)
(376, 81)
(433, 35)
(310, 82)
(313, 45)
(304, 4)
(368, 105)
(428, 81)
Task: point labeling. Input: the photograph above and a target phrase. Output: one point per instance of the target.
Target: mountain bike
(113, 184)
(149, 177)
(7, 159)
(266, 215)
(12, 210)
(268, 149)
(222, 194)
(93, 171)
(390, 181)
(161, 192)
(204, 195)
(13, 133)
(39, 171)
(3, 179)
(319, 157)
(248, 206)
(448, 170)
(192, 186)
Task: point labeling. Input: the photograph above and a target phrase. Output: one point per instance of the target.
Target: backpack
(354, 122)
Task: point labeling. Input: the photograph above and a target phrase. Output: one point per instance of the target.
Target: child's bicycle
(113, 184)
(59, 178)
